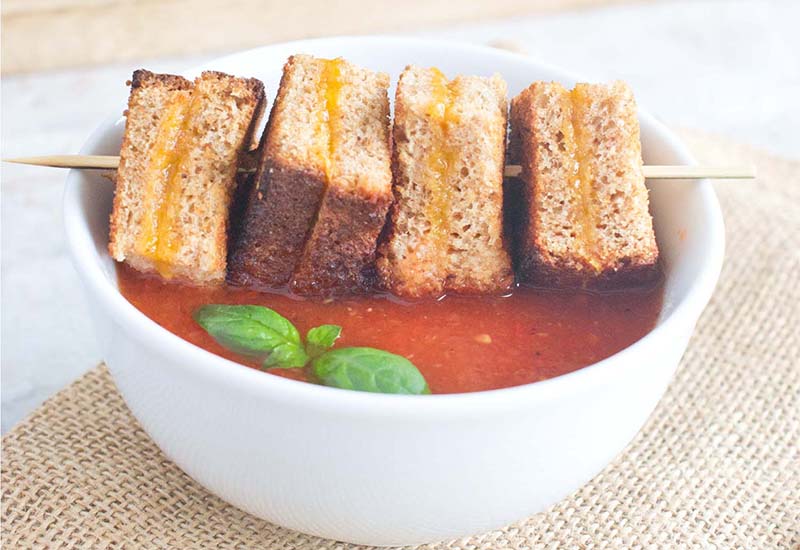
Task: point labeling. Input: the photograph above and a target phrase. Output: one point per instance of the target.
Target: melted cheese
(440, 158)
(585, 214)
(328, 119)
(158, 239)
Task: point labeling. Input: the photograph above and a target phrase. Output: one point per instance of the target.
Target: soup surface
(459, 344)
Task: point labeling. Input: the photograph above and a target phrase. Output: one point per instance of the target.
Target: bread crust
(279, 213)
(280, 208)
(339, 255)
(143, 77)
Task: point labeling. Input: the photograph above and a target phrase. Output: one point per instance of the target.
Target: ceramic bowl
(386, 469)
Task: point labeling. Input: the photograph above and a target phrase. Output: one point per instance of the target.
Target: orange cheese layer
(329, 117)
(440, 158)
(586, 214)
(159, 239)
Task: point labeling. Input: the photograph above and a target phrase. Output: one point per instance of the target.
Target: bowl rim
(185, 355)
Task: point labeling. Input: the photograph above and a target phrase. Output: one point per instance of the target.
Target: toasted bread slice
(324, 182)
(585, 219)
(340, 251)
(177, 172)
(446, 227)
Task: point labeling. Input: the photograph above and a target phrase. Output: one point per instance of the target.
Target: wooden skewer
(101, 162)
(512, 170)
(672, 172)
(675, 172)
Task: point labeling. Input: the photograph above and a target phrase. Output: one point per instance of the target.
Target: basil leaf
(255, 331)
(369, 369)
(320, 338)
(286, 356)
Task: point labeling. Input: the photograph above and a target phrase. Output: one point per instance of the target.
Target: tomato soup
(459, 343)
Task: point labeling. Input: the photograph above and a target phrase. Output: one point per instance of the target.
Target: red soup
(459, 344)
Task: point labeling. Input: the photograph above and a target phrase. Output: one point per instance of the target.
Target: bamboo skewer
(98, 162)
(651, 171)
(671, 172)
(674, 172)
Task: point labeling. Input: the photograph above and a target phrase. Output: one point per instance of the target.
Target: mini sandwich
(177, 172)
(584, 219)
(323, 186)
(445, 231)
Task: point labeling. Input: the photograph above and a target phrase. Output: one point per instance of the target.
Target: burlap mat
(717, 466)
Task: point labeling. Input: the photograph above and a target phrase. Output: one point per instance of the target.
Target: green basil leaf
(320, 338)
(255, 331)
(369, 369)
(286, 356)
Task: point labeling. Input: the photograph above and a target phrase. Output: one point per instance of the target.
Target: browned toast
(324, 182)
(177, 172)
(584, 218)
(445, 230)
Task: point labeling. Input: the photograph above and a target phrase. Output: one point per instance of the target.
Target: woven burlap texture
(716, 466)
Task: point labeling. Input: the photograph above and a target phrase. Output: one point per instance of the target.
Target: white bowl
(385, 469)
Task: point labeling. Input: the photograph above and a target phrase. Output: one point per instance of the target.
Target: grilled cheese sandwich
(584, 219)
(177, 172)
(323, 186)
(445, 231)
